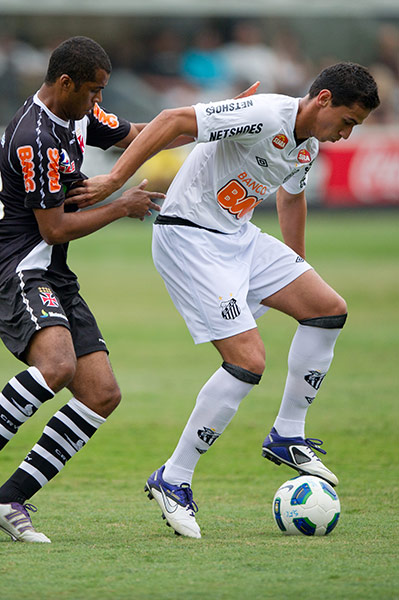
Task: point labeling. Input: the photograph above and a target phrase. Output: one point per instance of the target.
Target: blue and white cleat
(16, 522)
(176, 502)
(298, 453)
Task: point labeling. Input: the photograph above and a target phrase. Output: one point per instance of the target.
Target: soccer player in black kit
(44, 321)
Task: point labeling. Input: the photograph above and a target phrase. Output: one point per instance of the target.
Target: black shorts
(29, 303)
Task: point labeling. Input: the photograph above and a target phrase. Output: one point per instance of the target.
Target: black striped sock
(64, 435)
(19, 400)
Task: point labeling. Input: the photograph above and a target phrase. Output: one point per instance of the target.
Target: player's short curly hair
(79, 57)
(349, 83)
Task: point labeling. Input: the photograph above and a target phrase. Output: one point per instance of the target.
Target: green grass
(109, 542)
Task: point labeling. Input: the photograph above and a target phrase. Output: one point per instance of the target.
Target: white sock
(216, 405)
(309, 359)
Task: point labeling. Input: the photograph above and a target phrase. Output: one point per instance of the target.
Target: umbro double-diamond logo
(262, 162)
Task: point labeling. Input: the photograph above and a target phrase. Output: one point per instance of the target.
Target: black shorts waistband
(166, 220)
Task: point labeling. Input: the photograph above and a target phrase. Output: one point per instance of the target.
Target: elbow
(181, 121)
(52, 237)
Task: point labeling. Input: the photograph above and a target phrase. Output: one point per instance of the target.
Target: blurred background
(168, 53)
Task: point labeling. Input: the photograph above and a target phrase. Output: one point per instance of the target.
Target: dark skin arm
(59, 227)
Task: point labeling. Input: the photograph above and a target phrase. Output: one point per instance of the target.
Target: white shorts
(217, 281)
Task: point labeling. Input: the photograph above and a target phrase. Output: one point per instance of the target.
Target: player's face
(336, 122)
(81, 101)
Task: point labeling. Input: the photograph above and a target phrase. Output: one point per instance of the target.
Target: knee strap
(242, 374)
(333, 322)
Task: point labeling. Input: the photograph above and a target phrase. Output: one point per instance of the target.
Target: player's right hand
(139, 202)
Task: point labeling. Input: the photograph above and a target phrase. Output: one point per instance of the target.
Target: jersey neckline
(52, 116)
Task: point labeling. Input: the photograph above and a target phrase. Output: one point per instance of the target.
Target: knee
(340, 307)
(256, 364)
(252, 361)
(108, 400)
(59, 374)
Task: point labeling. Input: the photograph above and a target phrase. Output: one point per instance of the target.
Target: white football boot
(16, 522)
(298, 453)
(176, 502)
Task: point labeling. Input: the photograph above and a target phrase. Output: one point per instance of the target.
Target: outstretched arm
(156, 136)
(58, 227)
(171, 128)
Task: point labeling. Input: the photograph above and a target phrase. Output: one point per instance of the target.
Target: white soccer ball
(306, 505)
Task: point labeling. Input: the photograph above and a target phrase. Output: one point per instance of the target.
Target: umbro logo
(262, 162)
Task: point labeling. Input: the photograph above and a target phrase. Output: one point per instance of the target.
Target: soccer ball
(306, 505)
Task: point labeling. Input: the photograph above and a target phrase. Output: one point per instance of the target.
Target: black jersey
(40, 158)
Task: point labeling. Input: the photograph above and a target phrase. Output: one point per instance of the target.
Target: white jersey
(247, 151)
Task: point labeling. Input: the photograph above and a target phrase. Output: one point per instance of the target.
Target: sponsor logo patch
(235, 199)
(53, 170)
(304, 157)
(25, 156)
(108, 119)
(280, 141)
(234, 131)
(228, 107)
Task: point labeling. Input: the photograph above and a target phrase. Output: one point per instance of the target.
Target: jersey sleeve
(245, 120)
(105, 129)
(36, 157)
(298, 181)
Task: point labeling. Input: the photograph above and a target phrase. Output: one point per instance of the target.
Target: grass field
(109, 541)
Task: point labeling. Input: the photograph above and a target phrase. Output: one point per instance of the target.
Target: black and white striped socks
(64, 435)
(19, 400)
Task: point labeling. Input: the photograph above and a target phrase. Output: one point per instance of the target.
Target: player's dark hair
(79, 57)
(349, 83)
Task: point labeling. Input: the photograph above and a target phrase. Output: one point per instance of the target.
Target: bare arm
(156, 136)
(171, 128)
(135, 129)
(58, 227)
(291, 210)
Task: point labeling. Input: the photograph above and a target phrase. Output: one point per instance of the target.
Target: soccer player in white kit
(223, 273)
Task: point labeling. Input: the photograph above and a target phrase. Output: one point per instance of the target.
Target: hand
(138, 201)
(90, 191)
(249, 91)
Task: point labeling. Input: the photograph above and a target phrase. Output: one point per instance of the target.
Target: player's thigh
(274, 267)
(94, 383)
(307, 297)
(207, 278)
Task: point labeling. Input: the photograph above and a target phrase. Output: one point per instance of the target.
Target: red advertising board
(363, 170)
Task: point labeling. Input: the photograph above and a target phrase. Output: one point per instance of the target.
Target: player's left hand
(249, 91)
